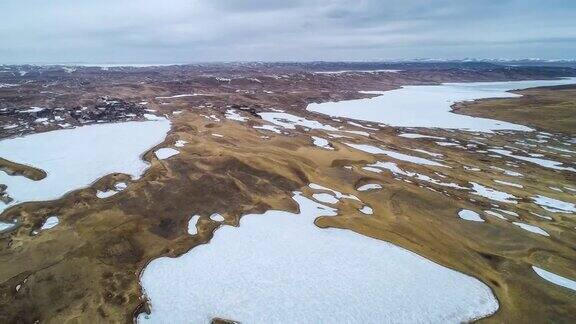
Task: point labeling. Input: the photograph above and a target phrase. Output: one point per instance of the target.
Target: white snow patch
(370, 186)
(6, 226)
(165, 152)
(436, 155)
(492, 194)
(152, 117)
(362, 133)
(105, 194)
(10, 126)
(180, 143)
(336, 193)
(50, 222)
(541, 216)
(361, 126)
(470, 215)
(554, 205)
(414, 135)
(234, 115)
(290, 121)
(508, 212)
(217, 217)
(271, 128)
(393, 167)
(512, 184)
(430, 105)
(325, 198)
(393, 154)
(555, 279)
(109, 193)
(32, 110)
(531, 228)
(542, 162)
(321, 142)
(495, 214)
(179, 96)
(192, 229)
(338, 136)
(508, 172)
(366, 210)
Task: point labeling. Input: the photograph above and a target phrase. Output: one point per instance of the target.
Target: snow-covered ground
(470, 215)
(268, 270)
(555, 279)
(50, 222)
(290, 121)
(165, 153)
(393, 154)
(74, 158)
(554, 205)
(429, 106)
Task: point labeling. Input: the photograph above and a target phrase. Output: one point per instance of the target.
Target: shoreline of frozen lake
(74, 158)
(430, 105)
(280, 267)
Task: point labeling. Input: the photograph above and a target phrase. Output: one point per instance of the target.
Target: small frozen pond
(429, 106)
(279, 268)
(74, 158)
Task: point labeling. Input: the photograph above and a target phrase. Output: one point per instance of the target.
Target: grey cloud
(207, 30)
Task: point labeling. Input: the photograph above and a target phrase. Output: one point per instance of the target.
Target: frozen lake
(278, 267)
(429, 106)
(74, 158)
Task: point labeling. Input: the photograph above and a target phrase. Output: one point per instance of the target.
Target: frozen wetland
(430, 106)
(279, 267)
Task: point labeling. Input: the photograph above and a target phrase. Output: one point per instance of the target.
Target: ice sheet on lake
(429, 106)
(74, 158)
(278, 267)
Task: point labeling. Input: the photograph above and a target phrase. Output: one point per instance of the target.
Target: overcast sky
(180, 31)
